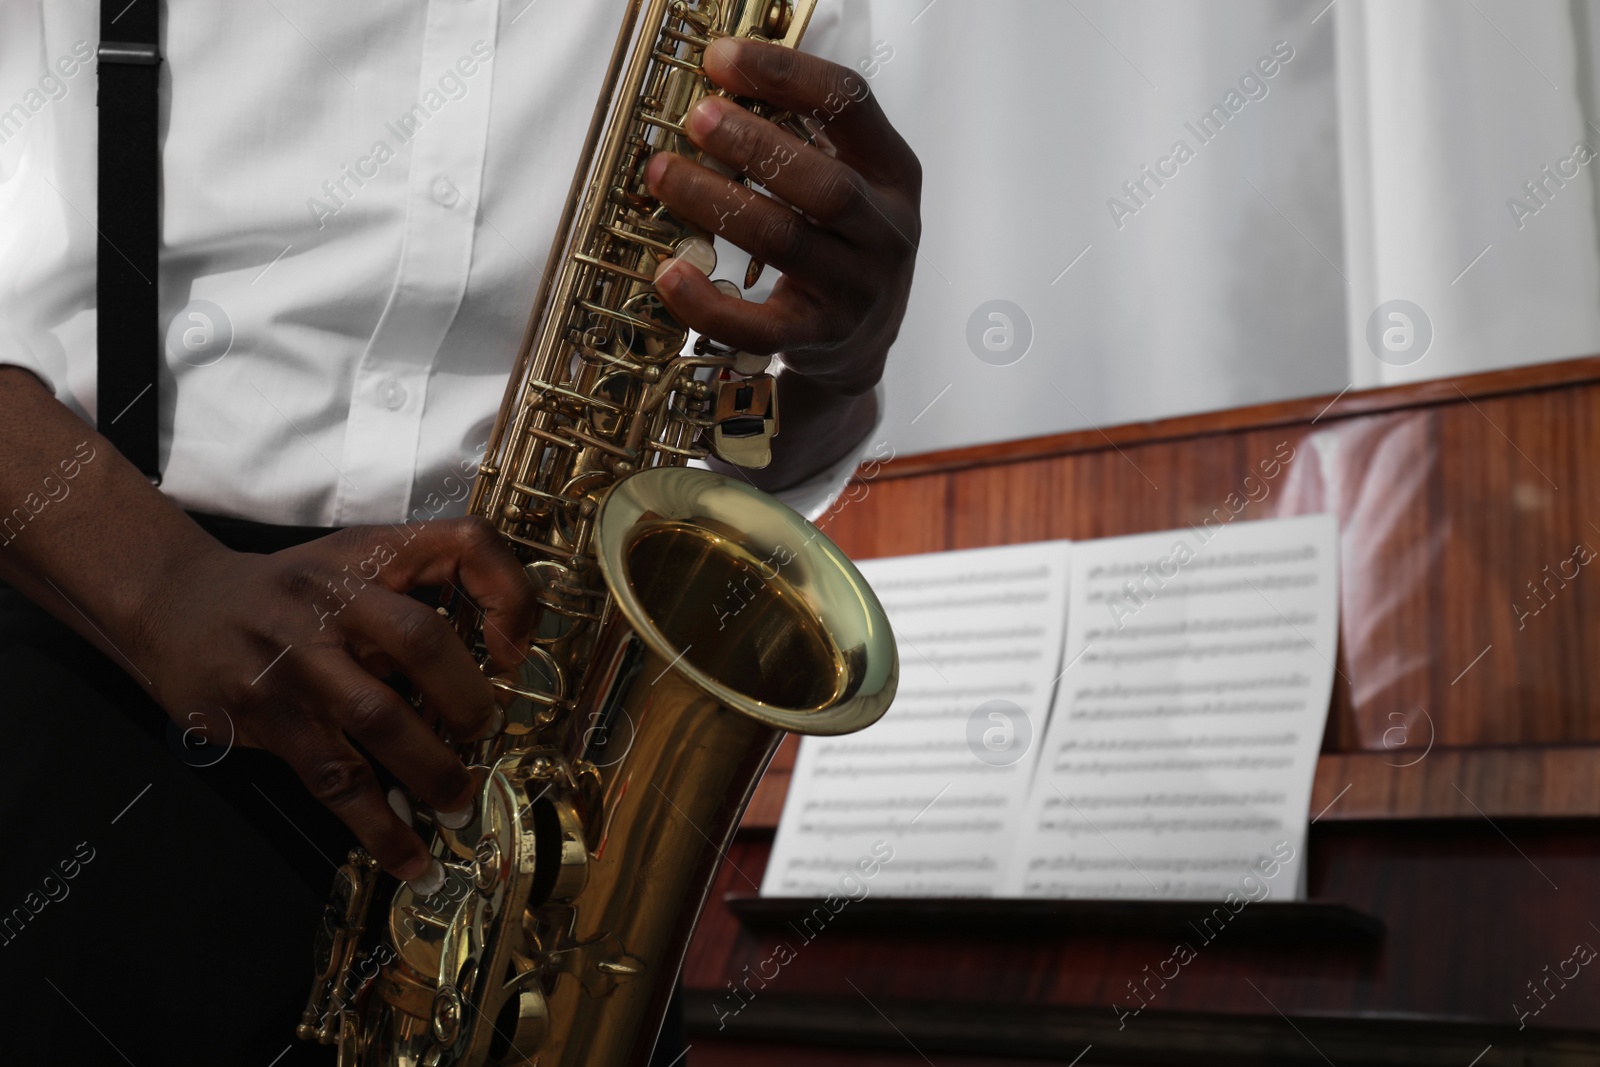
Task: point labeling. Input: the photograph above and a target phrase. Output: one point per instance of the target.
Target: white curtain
(1464, 133)
(1372, 166)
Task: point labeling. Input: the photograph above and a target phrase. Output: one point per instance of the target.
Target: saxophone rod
(580, 179)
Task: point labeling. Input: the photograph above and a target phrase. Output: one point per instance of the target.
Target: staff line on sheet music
(890, 1021)
(899, 637)
(1108, 840)
(1297, 630)
(1073, 664)
(1502, 833)
(1290, 1021)
(932, 802)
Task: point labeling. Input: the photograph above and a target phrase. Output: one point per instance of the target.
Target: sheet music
(943, 776)
(1197, 676)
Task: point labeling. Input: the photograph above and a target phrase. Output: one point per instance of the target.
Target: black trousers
(157, 902)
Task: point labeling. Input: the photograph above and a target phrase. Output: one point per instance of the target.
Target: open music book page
(1196, 681)
(939, 783)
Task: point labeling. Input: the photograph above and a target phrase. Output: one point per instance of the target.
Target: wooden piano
(1454, 870)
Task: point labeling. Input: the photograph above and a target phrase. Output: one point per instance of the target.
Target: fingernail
(454, 820)
(724, 51)
(666, 279)
(428, 880)
(703, 118)
(654, 170)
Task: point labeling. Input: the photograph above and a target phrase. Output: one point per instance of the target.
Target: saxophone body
(687, 621)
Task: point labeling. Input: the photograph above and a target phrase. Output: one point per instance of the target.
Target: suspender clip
(132, 54)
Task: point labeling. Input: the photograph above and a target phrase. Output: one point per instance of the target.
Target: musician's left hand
(846, 261)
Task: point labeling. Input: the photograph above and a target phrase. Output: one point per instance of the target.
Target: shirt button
(445, 192)
(393, 395)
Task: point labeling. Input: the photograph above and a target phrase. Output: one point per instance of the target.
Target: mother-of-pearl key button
(431, 882)
(401, 806)
(750, 363)
(454, 820)
(698, 253)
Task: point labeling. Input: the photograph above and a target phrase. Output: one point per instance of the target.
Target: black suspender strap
(129, 334)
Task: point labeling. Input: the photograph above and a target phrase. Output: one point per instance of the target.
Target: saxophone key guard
(746, 416)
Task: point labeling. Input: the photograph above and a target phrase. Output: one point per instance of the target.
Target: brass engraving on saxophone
(643, 717)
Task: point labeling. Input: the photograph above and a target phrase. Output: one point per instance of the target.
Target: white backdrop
(1373, 165)
(1446, 111)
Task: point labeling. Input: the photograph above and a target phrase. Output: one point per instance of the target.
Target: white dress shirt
(358, 199)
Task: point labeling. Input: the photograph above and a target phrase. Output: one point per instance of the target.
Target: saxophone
(643, 717)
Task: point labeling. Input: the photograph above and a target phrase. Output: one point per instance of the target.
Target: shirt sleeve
(47, 229)
(813, 497)
(840, 31)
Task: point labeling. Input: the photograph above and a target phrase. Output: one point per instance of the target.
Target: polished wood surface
(1312, 409)
(1457, 799)
(1279, 922)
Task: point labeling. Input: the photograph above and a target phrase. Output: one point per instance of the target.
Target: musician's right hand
(294, 647)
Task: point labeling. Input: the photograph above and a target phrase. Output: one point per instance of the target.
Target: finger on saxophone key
(430, 881)
(748, 363)
(454, 820)
(699, 253)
